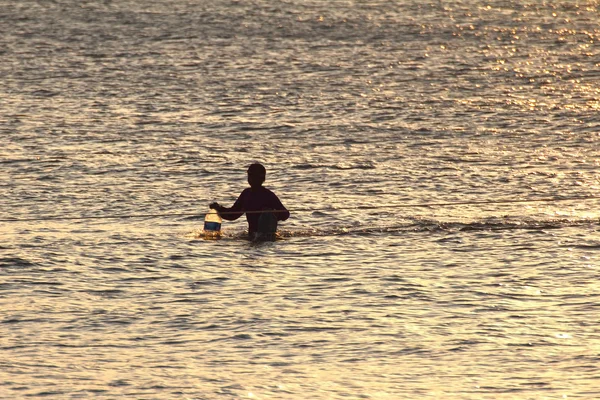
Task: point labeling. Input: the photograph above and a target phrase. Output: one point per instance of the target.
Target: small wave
(590, 246)
(416, 225)
(338, 166)
(12, 262)
(505, 224)
(439, 226)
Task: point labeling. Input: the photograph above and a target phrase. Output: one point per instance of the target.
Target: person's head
(256, 175)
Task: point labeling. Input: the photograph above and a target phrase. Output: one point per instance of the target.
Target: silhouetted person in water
(256, 198)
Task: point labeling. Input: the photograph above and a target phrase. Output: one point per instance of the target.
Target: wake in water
(415, 225)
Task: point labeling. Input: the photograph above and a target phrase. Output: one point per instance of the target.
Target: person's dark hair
(256, 174)
(257, 170)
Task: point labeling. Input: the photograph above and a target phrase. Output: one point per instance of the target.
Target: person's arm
(233, 212)
(282, 213)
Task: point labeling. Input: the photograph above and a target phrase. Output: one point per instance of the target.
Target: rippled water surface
(410, 139)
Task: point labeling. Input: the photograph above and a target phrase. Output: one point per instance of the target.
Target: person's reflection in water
(253, 200)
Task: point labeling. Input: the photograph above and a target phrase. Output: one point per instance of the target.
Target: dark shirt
(255, 199)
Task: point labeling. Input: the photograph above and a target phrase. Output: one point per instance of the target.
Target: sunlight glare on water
(413, 143)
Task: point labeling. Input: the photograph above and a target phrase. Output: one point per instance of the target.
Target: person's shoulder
(245, 192)
(269, 191)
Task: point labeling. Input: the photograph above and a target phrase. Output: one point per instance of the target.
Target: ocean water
(440, 160)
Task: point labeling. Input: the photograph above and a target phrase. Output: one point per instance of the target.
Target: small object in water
(212, 224)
